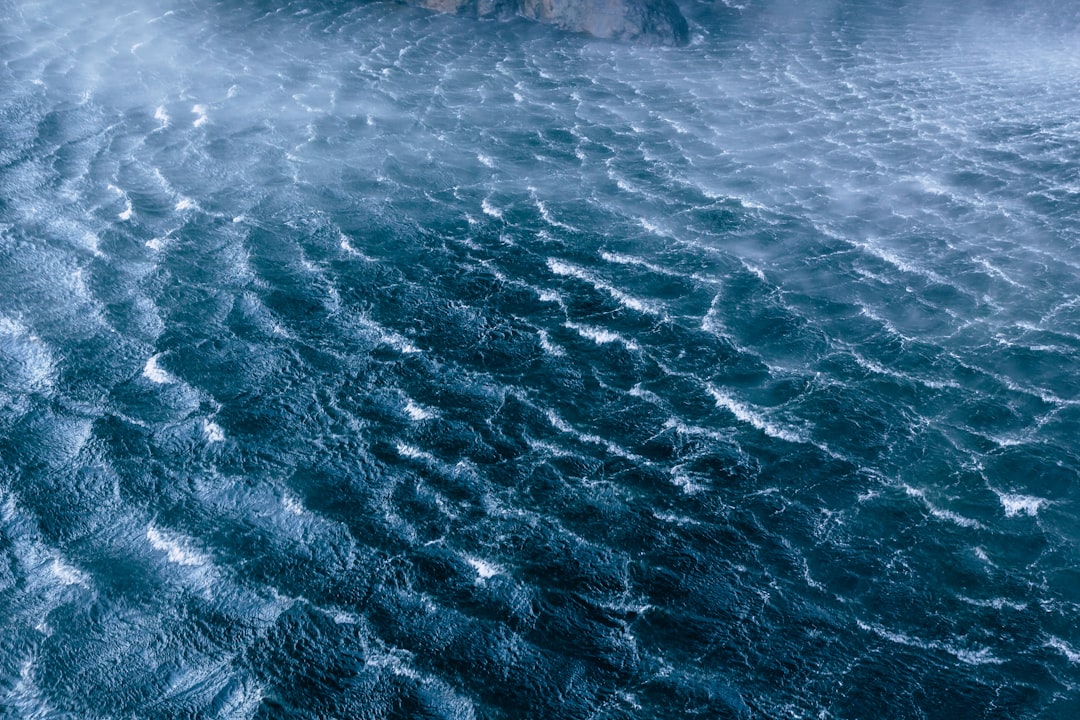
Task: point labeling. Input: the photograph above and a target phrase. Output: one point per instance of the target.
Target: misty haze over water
(360, 362)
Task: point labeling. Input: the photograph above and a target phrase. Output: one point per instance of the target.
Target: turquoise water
(358, 362)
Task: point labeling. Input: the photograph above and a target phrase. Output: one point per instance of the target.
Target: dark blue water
(363, 363)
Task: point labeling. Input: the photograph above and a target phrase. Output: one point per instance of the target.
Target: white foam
(292, 505)
(483, 568)
(620, 259)
(653, 228)
(385, 335)
(416, 412)
(155, 373)
(891, 258)
(940, 514)
(490, 209)
(185, 203)
(744, 413)
(881, 370)
(1070, 653)
(648, 396)
(174, 549)
(394, 661)
(562, 426)
(549, 347)
(996, 603)
(125, 215)
(560, 267)
(485, 160)
(550, 296)
(347, 246)
(212, 431)
(977, 656)
(415, 453)
(155, 244)
(675, 519)
(399, 343)
(66, 574)
(755, 271)
(200, 115)
(682, 481)
(601, 336)
(1020, 504)
(997, 272)
(161, 115)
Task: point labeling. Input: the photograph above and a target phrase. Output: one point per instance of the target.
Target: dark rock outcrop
(649, 21)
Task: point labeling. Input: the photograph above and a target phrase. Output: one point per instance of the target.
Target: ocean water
(357, 362)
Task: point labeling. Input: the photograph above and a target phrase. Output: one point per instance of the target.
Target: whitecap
(744, 413)
(485, 160)
(562, 426)
(675, 519)
(1070, 653)
(939, 513)
(212, 431)
(200, 115)
(153, 372)
(620, 259)
(561, 267)
(66, 574)
(292, 505)
(683, 481)
(416, 412)
(601, 336)
(878, 369)
(125, 215)
(1014, 505)
(995, 603)
(653, 228)
(483, 568)
(414, 453)
(348, 247)
(174, 550)
(395, 662)
(969, 656)
(550, 296)
(185, 203)
(490, 209)
(549, 347)
(648, 396)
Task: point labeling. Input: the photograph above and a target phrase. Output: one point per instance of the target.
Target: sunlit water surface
(358, 362)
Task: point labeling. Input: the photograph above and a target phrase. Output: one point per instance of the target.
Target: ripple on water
(615, 381)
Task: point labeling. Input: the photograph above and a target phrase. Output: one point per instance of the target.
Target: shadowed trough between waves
(360, 362)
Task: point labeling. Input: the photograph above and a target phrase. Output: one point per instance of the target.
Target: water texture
(358, 362)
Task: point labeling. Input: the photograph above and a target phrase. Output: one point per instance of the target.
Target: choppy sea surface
(357, 362)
